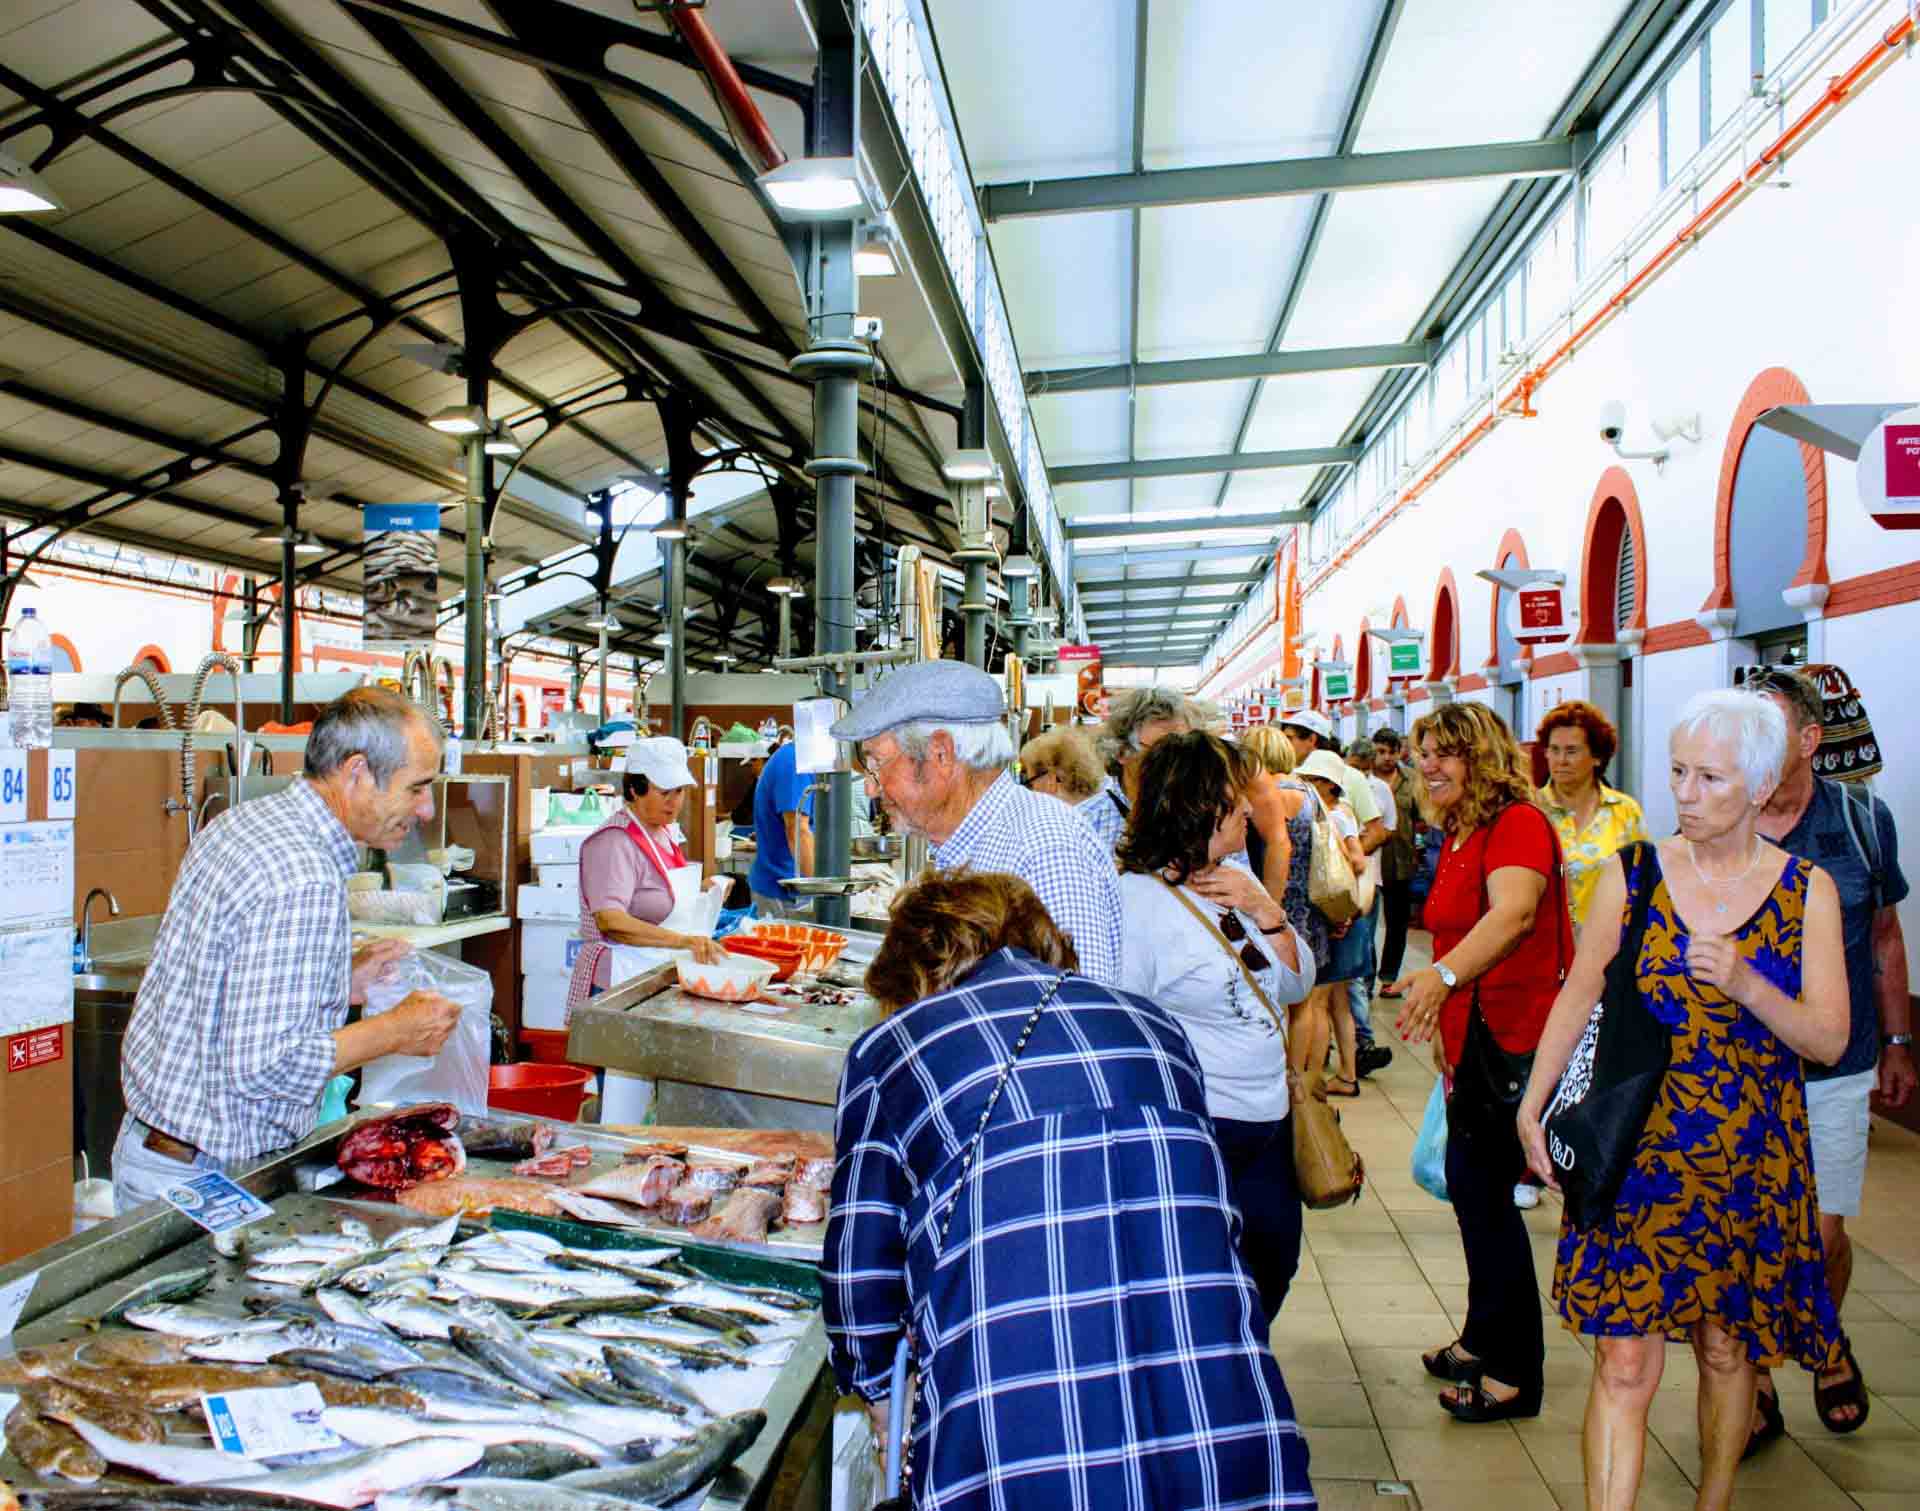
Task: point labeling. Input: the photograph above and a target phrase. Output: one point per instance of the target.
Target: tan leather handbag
(1331, 885)
(1325, 1166)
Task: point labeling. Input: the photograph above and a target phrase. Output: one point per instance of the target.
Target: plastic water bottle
(30, 683)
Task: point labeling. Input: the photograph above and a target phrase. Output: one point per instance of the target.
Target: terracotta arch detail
(1775, 386)
(1443, 629)
(1362, 665)
(1510, 545)
(1613, 512)
(73, 651)
(157, 656)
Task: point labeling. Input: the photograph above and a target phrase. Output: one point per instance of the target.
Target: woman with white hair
(1714, 1236)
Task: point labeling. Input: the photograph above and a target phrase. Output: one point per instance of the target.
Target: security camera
(1613, 431)
(1613, 421)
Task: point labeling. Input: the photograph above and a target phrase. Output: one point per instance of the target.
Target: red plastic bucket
(547, 1091)
(546, 1046)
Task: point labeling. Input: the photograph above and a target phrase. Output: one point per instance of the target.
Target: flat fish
(171, 1387)
(642, 1184)
(50, 1448)
(61, 1399)
(748, 1214)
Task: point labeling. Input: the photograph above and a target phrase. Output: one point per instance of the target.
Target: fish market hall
(777, 754)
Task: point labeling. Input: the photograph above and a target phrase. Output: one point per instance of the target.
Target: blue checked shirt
(1087, 1335)
(1044, 842)
(1106, 814)
(231, 1041)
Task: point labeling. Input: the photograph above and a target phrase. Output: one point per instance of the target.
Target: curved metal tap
(145, 674)
(86, 920)
(218, 660)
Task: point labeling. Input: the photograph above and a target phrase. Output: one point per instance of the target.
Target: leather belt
(173, 1148)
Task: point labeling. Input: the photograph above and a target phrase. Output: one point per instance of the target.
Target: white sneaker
(1526, 1197)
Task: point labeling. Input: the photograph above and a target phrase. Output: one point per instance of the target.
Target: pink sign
(1903, 461)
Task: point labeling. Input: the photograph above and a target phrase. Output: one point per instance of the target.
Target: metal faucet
(86, 920)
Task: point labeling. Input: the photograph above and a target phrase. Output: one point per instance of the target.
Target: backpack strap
(1863, 827)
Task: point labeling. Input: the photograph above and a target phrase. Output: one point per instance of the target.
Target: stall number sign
(43, 1046)
(13, 786)
(60, 784)
(1338, 686)
(1403, 658)
(1538, 615)
(1888, 474)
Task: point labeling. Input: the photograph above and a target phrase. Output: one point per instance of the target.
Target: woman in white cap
(637, 886)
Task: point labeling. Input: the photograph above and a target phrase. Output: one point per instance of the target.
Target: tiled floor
(1383, 1280)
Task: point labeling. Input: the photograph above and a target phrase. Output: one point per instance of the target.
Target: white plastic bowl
(738, 980)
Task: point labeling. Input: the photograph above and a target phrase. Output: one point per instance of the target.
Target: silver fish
(187, 1320)
(412, 1318)
(349, 1310)
(679, 1470)
(371, 1427)
(502, 1495)
(355, 1481)
(455, 1384)
(347, 1264)
(366, 1279)
(511, 1361)
(293, 1276)
(178, 1285)
(163, 1461)
(315, 1248)
(706, 1293)
(634, 1370)
(516, 1290)
(359, 1232)
(565, 1340)
(433, 1236)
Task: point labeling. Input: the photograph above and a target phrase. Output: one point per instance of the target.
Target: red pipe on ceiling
(736, 103)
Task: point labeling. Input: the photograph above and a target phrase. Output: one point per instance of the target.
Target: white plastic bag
(458, 1074)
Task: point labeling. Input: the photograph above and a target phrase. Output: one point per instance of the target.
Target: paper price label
(13, 786)
(215, 1202)
(60, 783)
(13, 1301)
(261, 1424)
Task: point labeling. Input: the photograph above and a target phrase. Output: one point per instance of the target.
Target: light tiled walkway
(1383, 1280)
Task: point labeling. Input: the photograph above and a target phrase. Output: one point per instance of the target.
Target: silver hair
(1132, 709)
(1751, 723)
(374, 722)
(979, 747)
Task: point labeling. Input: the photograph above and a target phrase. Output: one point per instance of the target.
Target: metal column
(835, 363)
(683, 461)
(604, 653)
(250, 631)
(289, 523)
(974, 602)
(475, 605)
(975, 605)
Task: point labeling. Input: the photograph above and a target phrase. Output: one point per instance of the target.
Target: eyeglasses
(871, 769)
(1250, 953)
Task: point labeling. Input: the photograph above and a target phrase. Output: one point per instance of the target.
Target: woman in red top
(1501, 942)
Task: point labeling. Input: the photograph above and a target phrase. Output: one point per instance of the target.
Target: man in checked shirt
(935, 750)
(241, 1018)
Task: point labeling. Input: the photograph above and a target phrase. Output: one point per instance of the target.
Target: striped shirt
(231, 1042)
(1048, 846)
(1106, 813)
(1087, 1335)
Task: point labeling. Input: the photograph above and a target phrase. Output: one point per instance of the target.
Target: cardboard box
(39, 1206)
(543, 1002)
(550, 904)
(549, 949)
(559, 847)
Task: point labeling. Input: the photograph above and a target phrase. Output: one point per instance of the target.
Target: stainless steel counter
(649, 1027)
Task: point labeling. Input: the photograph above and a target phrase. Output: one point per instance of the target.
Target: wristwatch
(1446, 975)
(1896, 1041)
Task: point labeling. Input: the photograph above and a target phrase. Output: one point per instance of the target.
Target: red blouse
(1517, 994)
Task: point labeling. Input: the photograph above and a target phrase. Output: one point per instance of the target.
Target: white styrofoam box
(560, 846)
(564, 875)
(549, 948)
(556, 903)
(543, 1002)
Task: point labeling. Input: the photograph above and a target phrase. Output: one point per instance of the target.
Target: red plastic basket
(547, 1091)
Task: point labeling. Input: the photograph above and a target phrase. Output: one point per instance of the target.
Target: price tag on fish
(216, 1203)
(264, 1424)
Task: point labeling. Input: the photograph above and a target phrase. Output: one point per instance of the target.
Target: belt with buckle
(166, 1144)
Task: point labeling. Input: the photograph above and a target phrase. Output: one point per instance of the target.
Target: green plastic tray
(725, 1265)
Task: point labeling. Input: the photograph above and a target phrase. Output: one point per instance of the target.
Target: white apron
(687, 916)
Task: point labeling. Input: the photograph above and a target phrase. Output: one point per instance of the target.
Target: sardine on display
(188, 1319)
(178, 1285)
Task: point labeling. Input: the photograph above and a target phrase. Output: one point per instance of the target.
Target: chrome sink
(109, 981)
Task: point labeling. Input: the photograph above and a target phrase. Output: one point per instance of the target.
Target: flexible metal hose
(145, 674)
(222, 661)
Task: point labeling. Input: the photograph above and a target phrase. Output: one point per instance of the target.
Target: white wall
(1820, 278)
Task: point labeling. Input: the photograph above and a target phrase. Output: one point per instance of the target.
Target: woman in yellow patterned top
(1595, 822)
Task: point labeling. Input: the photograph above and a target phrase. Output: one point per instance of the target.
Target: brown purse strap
(1226, 944)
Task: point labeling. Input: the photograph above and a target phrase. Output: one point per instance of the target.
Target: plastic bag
(1430, 1149)
(458, 1074)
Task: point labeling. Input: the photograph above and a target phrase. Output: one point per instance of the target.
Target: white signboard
(37, 966)
(1889, 471)
(36, 873)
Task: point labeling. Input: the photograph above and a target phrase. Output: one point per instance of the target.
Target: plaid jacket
(1088, 1336)
(231, 1041)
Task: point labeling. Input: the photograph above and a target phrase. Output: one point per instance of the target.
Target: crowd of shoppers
(1121, 985)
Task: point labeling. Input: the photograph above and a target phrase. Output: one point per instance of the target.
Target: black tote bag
(1600, 1107)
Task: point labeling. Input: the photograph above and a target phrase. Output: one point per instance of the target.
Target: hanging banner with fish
(400, 575)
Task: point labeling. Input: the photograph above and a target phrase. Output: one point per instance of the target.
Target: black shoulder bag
(1501, 1073)
(1599, 1110)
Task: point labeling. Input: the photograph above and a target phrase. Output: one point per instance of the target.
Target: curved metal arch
(381, 324)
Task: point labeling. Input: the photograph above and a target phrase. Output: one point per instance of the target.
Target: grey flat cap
(930, 692)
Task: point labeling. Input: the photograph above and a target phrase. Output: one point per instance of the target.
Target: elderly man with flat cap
(935, 749)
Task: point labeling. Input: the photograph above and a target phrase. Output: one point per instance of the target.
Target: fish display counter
(774, 1063)
(508, 1355)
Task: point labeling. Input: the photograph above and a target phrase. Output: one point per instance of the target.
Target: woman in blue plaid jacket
(1086, 1333)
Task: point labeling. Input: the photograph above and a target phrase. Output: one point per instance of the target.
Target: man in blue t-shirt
(783, 831)
(1849, 835)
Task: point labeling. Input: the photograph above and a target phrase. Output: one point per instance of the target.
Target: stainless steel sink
(106, 980)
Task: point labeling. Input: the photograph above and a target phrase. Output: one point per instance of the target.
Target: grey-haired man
(935, 750)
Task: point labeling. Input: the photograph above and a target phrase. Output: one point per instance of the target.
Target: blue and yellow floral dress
(1717, 1219)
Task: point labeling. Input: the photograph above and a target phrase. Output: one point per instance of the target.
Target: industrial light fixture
(663, 638)
(725, 659)
(500, 442)
(305, 543)
(993, 491)
(817, 188)
(672, 529)
(606, 620)
(460, 419)
(873, 254)
(976, 466)
(1019, 566)
(783, 587)
(22, 191)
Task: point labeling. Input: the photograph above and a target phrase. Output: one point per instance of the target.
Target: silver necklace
(1717, 883)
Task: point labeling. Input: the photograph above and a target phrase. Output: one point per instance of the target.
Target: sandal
(1335, 1083)
(1828, 1399)
(1471, 1402)
(1772, 1424)
(1451, 1363)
